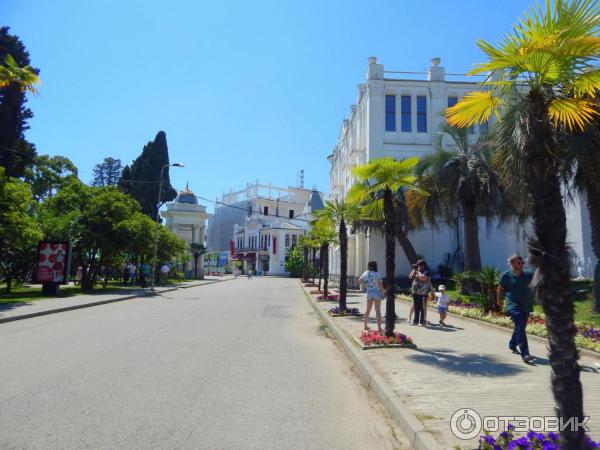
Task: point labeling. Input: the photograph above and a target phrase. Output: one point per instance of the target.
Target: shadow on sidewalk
(466, 363)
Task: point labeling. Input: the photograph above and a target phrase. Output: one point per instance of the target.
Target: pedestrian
(132, 272)
(373, 282)
(442, 303)
(78, 275)
(421, 287)
(125, 274)
(164, 274)
(249, 273)
(144, 272)
(514, 290)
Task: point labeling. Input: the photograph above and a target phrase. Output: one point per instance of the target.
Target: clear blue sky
(243, 89)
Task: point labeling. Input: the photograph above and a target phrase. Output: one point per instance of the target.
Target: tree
(19, 233)
(340, 214)
(325, 234)
(102, 223)
(16, 79)
(47, 174)
(197, 251)
(141, 179)
(389, 176)
(551, 53)
(294, 263)
(107, 173)
(459, 181)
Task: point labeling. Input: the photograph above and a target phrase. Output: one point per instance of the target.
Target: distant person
(125, 274)
(373, 282)
(164, 274)
(421, 288)
(144, 272)
(442, 303)
(132, 272)
(514, 289)
(78, 275)
(249, 274)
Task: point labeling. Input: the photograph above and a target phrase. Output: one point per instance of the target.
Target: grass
(581, 292)
(25, 293)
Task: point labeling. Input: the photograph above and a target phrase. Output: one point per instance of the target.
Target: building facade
(261, 224)
(187, 219)
(401, 117)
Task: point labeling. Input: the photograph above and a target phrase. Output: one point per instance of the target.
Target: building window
(266, 211)
(269, 240)
(452, 101)
(405, 111)
(291, 214)
(421, 114)
(294, 240)
(287, 240)
(390, 113)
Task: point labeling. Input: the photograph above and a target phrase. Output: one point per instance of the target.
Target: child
(442, 303)
(373, 281)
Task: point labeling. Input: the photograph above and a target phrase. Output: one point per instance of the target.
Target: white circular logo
(465, 424)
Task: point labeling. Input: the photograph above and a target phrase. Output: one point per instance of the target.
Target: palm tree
(340, 214)
(385, 175)
(197, 251)
(12, 76)
(459, 181)
(324, 233)
(548, 59)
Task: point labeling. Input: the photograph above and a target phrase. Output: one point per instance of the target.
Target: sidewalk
(465, 365)
(24, 310)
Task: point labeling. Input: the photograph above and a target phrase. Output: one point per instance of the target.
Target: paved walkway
(467, 365)
(15, 310)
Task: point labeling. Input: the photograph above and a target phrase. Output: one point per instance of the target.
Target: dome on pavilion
(186, 196)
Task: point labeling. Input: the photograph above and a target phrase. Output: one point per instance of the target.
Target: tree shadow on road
(466, 363)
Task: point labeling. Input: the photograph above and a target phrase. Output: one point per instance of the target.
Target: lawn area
(33, 293)
(580, 290)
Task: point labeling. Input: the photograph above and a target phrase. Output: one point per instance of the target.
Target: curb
(414, 430)
(535, 337)
(98, 303)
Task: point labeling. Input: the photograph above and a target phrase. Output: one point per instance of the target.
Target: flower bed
(336, 312)
(330, 297)
(373, 339)
(534, 441)
(587, 337)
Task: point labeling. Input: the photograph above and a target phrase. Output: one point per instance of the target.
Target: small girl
(442, 303)
(373, 281)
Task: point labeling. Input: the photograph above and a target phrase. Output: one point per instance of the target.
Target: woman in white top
(373, 281)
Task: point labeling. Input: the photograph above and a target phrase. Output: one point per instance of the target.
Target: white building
(187, 219)
(272, 221)
(401, 118)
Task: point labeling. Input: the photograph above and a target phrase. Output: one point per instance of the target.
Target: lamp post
(162, 171)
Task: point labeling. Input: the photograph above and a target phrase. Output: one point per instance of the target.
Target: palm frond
(573, 113)
(473, 108)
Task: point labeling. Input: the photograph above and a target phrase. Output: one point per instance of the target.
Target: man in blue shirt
(514, 288)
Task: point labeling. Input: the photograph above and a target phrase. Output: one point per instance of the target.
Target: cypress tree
(16, 153)
(140, 180)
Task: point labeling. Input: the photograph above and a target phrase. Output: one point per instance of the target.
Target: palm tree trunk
(549, 253)
(325, 270)
(593, 205)
(305, 268)
(343, 264)
(321, 258)
(407, 246)
(390, 263)
(471, 237)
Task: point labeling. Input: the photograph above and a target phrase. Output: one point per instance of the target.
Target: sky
(245, 90)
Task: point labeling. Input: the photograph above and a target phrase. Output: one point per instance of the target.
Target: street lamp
(162, 171)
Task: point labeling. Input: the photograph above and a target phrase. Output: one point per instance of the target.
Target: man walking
(514, 287)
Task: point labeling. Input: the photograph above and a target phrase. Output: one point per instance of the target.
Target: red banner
(231, 247)
(274, 245)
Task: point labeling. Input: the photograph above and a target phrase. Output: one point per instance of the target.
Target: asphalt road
(234, 365)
